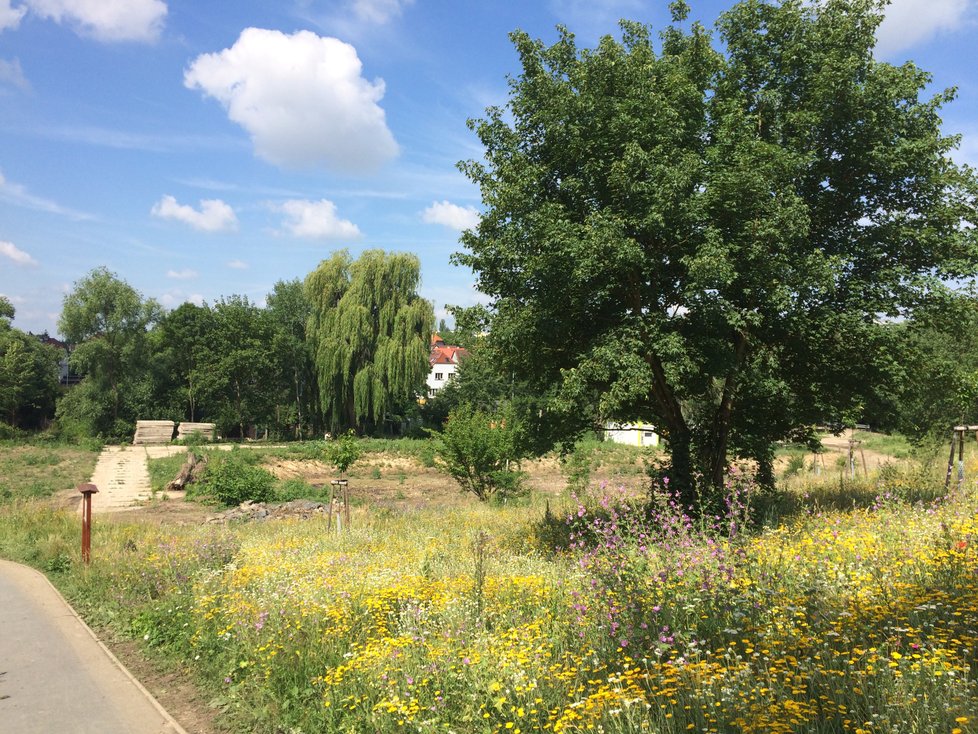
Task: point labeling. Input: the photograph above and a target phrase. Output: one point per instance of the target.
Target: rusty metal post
(87, 491)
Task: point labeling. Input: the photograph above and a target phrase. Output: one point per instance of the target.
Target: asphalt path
(56, 676)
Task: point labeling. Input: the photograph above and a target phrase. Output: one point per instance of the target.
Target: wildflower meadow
(606, 615)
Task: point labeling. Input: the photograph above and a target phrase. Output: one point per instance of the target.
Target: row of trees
(345, 349)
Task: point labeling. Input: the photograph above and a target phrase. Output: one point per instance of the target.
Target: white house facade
(633, 434)
(444, 361)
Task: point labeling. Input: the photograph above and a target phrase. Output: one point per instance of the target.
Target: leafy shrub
(234, 479)
(343, 452)
(293, 489)
(9, 433)
(478, 450)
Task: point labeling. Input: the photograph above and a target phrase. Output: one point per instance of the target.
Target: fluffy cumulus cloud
(302, 99)
(106, 20)
(316, 219)
(10, 17)
(911, 22)
(213, 216)
(451, 215)
(10, 251)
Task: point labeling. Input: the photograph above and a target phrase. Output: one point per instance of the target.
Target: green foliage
(28, 375)
(480, 451)
(288, 312)
(233, 478)
(369, 335)
(294, 489)
(703, 233)
(107, 321)
(343, 451)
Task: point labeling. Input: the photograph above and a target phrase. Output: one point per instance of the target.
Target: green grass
(891, 444)
(164, 470)
(38, 470)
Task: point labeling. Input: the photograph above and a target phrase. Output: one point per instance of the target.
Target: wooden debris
(189, 473)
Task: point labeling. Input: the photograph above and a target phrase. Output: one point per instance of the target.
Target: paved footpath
(122, 476)
(55, 675)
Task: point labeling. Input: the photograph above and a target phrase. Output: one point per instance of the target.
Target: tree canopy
(708, 238)
(369, 333)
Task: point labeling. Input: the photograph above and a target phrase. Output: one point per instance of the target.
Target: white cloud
(301, 98)
(214, 215)
(10, 17)
(378, 11)
(12, 74)
(18, 195)
(237, 265)
(451, 215)
(106, 20)
(11, 251)
(316, 219)
(13, 299)
(185, 274)
(177, 297)
(911, 22)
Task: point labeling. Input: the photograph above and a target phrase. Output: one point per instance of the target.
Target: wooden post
(960, 458)
(950, 462)
(343, 516)
(852, 460)
(329, 511)
(863, 455)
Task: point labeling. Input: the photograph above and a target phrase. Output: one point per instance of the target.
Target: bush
(478, 450)
(233, 480)
(343, 452)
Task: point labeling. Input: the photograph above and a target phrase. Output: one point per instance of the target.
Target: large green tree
(369, 332)
(704, 232)
(28, 374)
(237, 375)
(288, 313)
(106, 320)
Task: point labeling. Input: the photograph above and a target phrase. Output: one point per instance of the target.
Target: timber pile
(189, 473)
(206, 430)
(153, 432)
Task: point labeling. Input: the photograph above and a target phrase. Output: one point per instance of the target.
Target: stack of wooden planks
(206, 430)
(153, 432)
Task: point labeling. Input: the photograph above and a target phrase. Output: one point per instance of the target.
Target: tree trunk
(716, 459)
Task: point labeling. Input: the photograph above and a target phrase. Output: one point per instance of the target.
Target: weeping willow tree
(369, 331)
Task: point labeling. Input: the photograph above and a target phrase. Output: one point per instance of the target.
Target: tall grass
(844, 615)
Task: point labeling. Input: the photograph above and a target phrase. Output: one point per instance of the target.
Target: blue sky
(200, 149)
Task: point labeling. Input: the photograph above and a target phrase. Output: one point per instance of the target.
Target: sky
(200, 149)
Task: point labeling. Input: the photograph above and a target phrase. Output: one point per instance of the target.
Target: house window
(438, 375)
(648, 434)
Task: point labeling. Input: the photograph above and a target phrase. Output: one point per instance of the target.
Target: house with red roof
(444, 360)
